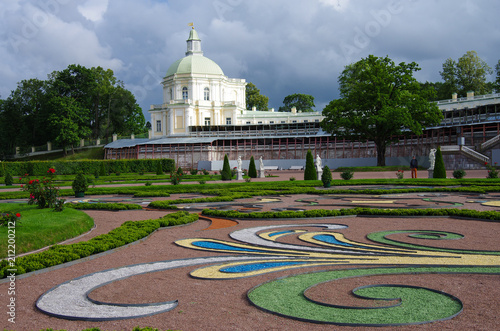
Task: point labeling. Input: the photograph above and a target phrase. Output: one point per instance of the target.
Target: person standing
(413, 167)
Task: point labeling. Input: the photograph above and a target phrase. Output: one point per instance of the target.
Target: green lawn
(42, 227)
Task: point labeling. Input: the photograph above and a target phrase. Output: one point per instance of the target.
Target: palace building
(203, 117)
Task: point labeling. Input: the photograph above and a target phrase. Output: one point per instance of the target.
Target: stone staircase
(471, 153)
(490, 143)
(464, 150)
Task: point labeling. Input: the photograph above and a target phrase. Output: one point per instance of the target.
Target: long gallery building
(203, 117)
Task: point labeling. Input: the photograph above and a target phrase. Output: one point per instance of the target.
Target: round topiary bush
(459, 173)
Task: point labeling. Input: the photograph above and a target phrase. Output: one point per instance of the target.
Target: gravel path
(204, 304)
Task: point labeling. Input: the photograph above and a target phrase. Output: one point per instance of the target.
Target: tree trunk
(381, 147)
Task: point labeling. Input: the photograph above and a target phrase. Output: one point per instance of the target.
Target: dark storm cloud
(282, 46)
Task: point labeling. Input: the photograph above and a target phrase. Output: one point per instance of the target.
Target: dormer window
(184, 93)
(206, 94)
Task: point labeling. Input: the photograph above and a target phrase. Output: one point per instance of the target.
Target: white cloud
(93, 10)
(338, 5)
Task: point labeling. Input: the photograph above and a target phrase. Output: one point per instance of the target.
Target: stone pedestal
(320, 173)
(262, 174)
(431, 173)
(239, 175)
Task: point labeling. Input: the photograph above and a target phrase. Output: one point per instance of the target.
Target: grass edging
(127, 233)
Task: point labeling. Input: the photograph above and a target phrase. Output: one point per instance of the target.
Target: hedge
(39, 168)
(103, 206)
(128, 232)
(469, 213)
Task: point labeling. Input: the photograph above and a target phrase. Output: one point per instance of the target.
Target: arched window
(206, 94)
(184, 93)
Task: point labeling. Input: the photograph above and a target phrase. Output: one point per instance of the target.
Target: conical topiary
(310, 171)
(159, 168)
(8, 179)
(252, 170)
(326, 177)
(439, 169)
(226, 169)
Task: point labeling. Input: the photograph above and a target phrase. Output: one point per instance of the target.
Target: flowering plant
(492, 170)
(400, 174)
(176, 178)
(42, 193)
(7, 217)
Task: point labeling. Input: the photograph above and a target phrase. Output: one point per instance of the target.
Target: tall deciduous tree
(303, 102)
(467, 74)
(380, 101)
(255, 99)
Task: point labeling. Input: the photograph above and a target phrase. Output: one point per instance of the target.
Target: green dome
(195, 64)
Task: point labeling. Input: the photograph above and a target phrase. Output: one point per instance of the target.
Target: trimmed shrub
(159, 168)
(346, 175)
(8, 179)
(104, 167)
(310, 171)
(439, 169)
(226, 169)
(326, 176)
(252, 170)
(80, 183)
(459, 173)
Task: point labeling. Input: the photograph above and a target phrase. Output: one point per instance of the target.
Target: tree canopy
(380, 101)
(255, 99)
(72, 104)
(467, 74)
(302, 102)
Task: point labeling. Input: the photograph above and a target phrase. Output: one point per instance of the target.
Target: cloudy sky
(282, 46)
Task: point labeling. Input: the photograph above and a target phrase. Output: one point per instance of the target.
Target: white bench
(296, 168)
(270, 167)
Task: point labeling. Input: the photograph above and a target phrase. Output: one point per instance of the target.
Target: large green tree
(379, 102)
(303, 102)
(469, 73)
(68, 122)
(38, 111)
(496, 84)
(254, 98)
